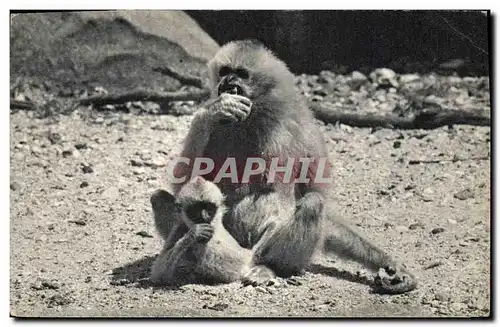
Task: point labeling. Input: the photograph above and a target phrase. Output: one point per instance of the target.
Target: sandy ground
(82, 233)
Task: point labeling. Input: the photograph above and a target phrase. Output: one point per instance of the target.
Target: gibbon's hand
(202, 233)
(230, 108)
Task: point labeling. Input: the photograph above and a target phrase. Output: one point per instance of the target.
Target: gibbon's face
(248, 69)
(200, 212)
(199, 200)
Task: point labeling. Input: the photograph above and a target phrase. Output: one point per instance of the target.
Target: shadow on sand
(137, 272)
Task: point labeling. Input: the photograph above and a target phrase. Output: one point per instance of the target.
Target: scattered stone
(433, 265)
(67, 153)
(464, 194)
(44, 285)
(139, 171)
(416, 226)
(260, 289)
(457, 306)
(216, 307)
(408, 78)
(452, 221)
(136, 163)
(427, 195)
(87, 168)
(59, 300)
(80, 146)
(50, 285)
(14, 186)
(36, 150)
(384, 77)
(293, 281)
(158, 163)
(388, 225)
(84, 184)
(78, 222)
(383, 192)
(54, 138)
(396, 144)
(410, 187)
(437, 230)
(144, 234)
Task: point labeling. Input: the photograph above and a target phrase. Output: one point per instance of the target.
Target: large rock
(114, 49)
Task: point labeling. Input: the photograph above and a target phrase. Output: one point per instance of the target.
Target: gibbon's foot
(258, 275)
(203, 232)
(391, 280)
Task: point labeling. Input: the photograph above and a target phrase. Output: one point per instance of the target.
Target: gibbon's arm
(194, 145)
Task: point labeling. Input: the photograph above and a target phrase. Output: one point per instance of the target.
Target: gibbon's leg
(288, 245)
(346, 243)
(177, 263)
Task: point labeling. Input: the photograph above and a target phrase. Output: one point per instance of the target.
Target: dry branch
(143, 95)
(158, 97)
(27, 105)
(423, 119)
(455, 159)
(185, 79)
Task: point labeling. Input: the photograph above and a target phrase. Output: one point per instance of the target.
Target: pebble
(136, 163)
(216, 306)
(384, 77)
(67, 153)
(87, 168)
(81, 146)
(427, 195)
(78, 222)
(457, 306)
(358, 76)
(59, 300)
(416, 225)
(155, 164)
(19, 156)
(464, 194)
(408, 78)
(260, 289)
(54, 138)
(50, 285)
(14, 186)
(139, 171)
(437, 230)
(144, 234)
(84, 184)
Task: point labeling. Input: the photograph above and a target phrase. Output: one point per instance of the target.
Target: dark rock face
(114, 49)
(342, 41)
